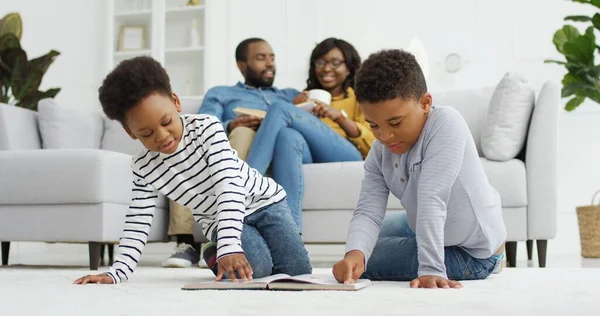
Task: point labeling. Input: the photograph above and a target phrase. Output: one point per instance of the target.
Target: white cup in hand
(320, 95)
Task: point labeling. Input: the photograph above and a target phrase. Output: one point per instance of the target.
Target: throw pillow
(116, 139)
(62, 127)
(505, 128)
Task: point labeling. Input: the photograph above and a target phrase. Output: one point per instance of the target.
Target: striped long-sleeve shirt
(444, 189)
(204, 174)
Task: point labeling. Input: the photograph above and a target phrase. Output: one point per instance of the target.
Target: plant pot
(589, 229)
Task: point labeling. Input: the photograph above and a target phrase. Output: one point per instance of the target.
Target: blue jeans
(394, 257)
(272, 244)
(289, 137)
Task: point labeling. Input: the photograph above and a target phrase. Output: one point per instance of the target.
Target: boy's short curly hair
(129, 83)
(389, 74)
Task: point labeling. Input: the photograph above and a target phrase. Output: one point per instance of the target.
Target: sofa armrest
(541, 161)
(18, 128)
(66, 176)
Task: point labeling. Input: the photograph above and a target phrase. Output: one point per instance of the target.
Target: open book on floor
(303, 282)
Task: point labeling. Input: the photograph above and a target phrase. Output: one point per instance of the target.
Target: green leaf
(582, 48)
(9, 40)
(578, 18)
(596, 21)
(595, 3)
(30, 101)
(16, 60)
(37, 69)
(566, 34)
(574, 103)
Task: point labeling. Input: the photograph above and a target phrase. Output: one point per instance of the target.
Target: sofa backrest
(18, 128)
(472, 104)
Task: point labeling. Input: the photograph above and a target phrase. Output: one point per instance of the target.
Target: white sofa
(81, 195)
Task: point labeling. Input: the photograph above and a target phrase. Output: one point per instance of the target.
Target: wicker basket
(589, 229)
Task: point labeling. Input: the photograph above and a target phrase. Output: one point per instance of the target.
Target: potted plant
(582, 81)
(20, 78)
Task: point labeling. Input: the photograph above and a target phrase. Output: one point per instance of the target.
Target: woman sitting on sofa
(289, 136)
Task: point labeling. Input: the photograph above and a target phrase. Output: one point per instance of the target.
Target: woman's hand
(323, 110)
(301, 97)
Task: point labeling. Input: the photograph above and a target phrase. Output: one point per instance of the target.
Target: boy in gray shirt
(453, 227)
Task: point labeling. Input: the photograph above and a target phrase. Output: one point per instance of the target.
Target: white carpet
(156, 291)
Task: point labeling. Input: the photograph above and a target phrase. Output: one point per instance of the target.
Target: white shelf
(184, 12)
(194, 8)
(132, 53)
(134, 14)
(177, 50)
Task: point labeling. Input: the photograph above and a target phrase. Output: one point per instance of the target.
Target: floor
(156, 291)
(39, 276)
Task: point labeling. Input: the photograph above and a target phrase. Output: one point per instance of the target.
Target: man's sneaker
(209, 254)
(184, 256)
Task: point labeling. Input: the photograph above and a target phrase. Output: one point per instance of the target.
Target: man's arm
(212, 105)
(290, 94)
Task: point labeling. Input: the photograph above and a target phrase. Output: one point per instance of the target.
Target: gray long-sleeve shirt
(442, 185)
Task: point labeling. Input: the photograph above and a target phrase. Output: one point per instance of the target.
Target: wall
(492, 37)
(75, 29)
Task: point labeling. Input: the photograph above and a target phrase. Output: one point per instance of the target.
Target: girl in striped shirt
(188, 159)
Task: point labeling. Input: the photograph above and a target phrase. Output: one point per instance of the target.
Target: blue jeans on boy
(289, 137)
(394, 257)
(272, 244)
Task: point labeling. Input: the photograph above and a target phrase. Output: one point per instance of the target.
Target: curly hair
(350, 55)
(389, 74)
(130, 82)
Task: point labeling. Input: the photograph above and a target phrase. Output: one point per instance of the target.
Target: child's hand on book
(232, 264)
(434, 282)
(98, 278)
(350, 268)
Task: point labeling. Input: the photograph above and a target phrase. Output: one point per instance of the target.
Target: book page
(251, 112)
(311, 278)
(260, 283)
(316, 283)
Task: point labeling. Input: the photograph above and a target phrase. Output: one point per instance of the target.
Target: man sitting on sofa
(256, 61)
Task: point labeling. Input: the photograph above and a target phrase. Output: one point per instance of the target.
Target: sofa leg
(94, 251)
(542, 247)
(511, 254)
(102, 246)
(5, 251)
(111, 254)
(529, 249)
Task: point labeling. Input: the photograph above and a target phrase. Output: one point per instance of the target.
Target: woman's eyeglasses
(334, 63)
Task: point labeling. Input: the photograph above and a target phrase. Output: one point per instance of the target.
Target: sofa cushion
(116, 139)
(509, 178)
(63, 127)
(336, 186)
(507, 120)
(66, 176)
